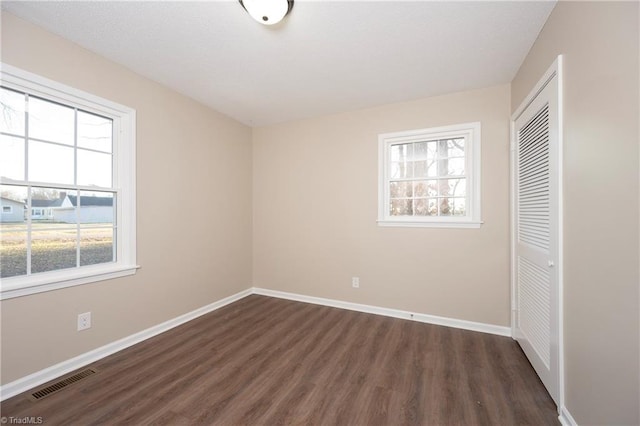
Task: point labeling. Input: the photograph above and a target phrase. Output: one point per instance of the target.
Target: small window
(430, 177)
(69, 158)
(7, 209)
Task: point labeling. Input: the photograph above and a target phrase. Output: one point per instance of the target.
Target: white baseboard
(28, 382)
(395, 313)
(565, 417)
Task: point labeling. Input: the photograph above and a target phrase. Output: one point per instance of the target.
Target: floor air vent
(59, 385)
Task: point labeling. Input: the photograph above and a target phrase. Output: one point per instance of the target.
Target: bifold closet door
(536, 233)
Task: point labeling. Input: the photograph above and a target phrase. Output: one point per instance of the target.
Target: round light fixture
(267, 12)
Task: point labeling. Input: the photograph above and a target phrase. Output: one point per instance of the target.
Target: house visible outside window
(68, 158)
(430, 177)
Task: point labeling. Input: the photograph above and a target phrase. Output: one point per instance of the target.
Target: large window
(67, 171)
(430, 177)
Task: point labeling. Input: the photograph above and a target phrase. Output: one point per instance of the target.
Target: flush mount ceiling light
(267, 12)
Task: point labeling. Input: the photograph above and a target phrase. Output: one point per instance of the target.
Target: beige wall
(194, 212)
(315, 207)
(600, 44)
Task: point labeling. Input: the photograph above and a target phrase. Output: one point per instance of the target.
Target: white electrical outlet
(355, 282)
(84, 321)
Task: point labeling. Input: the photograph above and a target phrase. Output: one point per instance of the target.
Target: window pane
(420, 207)
(426, 168)
(420, 169)
(453, 167)
(400, 189)
(50, 121)
(425, 188)
(446, 206)
(401, 208)
(459, 207)
(443, 187)
(432, 168)
(13, 106)
(94, 132)
(441, 148)
(52, 205)
(13, 231)
(52, 249)
(420, 188)
(455, 187)
(14, 197)
(12, 157)
(50, 163)
(424, 151)
(432, 188)
(401, 170)
(96, 207)
(94, 168)
(450, 166)
(96, 246)
(426, 207)
(402, 152)
(455, 147)
(13, 252)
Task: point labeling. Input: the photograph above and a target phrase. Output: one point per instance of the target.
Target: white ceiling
(325, 57)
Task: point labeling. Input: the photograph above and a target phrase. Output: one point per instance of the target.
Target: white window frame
(9, 209)
(124, 175)
(471, 132)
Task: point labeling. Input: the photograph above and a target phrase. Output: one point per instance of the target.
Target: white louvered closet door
(536, 234)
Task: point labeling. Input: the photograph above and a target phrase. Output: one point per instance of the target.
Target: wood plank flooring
(267, 361)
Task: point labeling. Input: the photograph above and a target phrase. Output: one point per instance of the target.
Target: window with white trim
(69, 158)
(430, 177)
(7, 209)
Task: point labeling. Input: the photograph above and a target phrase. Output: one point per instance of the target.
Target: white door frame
(555, 70)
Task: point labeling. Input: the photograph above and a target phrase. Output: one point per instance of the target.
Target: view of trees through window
(57, 195)
(428, 178)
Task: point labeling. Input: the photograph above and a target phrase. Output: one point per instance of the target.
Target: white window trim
(472, 133)
(124, 149)
(9, 209)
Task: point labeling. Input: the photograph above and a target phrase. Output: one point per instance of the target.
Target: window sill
(422, 224)
(39, 283)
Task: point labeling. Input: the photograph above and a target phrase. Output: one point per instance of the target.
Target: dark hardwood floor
(266, 361)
